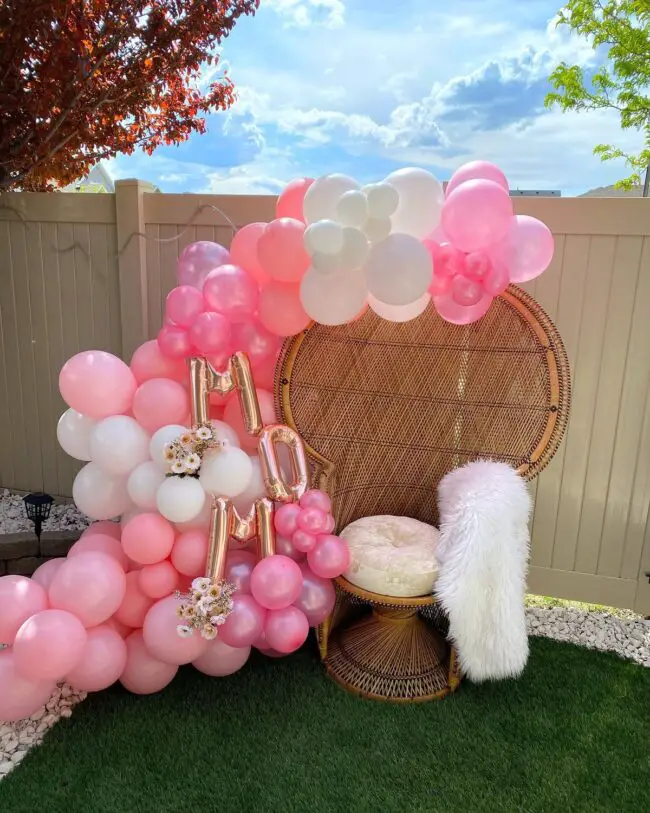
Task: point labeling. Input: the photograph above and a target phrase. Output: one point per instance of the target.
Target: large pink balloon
(160, 402)
(280, 309)
(461, 314)
(210, 333)
(290, 202)
(220, 660)
(102, 543)
(330, 558)
(245, 622)
(102, 662)
(97, 384)
(287, 629)
(44, 574)
(239, 567)
(281, 250)
(20, 598)
(19, 696)
(233, 417)
(527, 249)
(148, 538)
(174, 342)
(148, 362)
(477, 170)
(144, 674)
(276, 582)
(158, 580)
(317, 597)
(197, 260)
(190, 552)
(183, 304)
(476, 215)
(162, 639)
(104, 527)
(252, 338)
(49, 645)
(90, 585)
(243, 250)
(286, 519)
(135, 605)
(232, 292)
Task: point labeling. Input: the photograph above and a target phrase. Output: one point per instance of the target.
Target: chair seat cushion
(393, 556)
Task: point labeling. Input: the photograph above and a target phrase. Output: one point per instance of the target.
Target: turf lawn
(572, 735)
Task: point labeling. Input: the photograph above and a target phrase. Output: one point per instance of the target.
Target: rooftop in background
(613, 192)
(535, 193)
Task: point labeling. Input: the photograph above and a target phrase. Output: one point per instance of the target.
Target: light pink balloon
(439, 285)
(44, 574)
(281, 250)
(174, 342)
(144, 674)
(102, 543)
(232, 415)
(20, 598)
(243, 250)
(190, 552)
(239, 567)
(317, 597)
(276, 582)
(280, 309)
(105, 527)
(183, 305)
(232, 292)
(330, 558)
(291, 200)
(527, 249)
(466, 291)
(48, 645)
(285, 547)
(313, 521)
(197, 260)
(135, 605)
(148, 362)
(19, 696)
(121, 629)
(315, 498)
(158, 580)
(477, 170)
(264, 373)
(460, 314)
(245, 622)
(496, 280)
(161, 638)
(210, 333)
(476, 215)
(220, 660)
(303, 541)
(148, 538)
(102, 662)
(160, 402)
(286, 519)
(287, 629)
(90, 585)
(252, 338)
(97, 384)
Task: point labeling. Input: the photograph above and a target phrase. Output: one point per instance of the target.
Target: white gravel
(64, 516)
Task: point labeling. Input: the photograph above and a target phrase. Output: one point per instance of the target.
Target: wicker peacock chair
(385, 410)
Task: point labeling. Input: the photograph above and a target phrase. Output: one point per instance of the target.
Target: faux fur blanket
(483, 557)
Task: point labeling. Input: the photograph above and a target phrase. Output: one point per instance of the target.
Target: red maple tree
(83, 80)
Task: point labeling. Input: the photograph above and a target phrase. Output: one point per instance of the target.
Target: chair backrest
(387, 409)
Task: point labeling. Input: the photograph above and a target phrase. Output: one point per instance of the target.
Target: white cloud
(305, 13)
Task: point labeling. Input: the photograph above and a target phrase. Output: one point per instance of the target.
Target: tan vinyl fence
(92, 271)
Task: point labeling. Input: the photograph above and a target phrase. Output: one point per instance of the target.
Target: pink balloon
(303, 541)
(252, 338)
(527, 249)
(197, 260)
(158, 580)
(97, 384)
(220, 660)
(317, 597)
(210, 333)
(291, 200)
(245, 622)
(496, 280)
(44, 574)
(231, 291)
(160, 402)
(161, 638)
(232, 415)
(315, 498)
(102, 543)
(190, 552)
(330, 558)
(174, 342)
(476, 265)
(48, 645)
(439, 285)
(477, 170)
(286, 519)
(281, 250)
(264, 373)
(280, 309)
(447, 260)
(243, 250)
(285, 547)
(144, 674)
(19, 696)
(20, 598)
(460, 314)
(466, 291)
(239, 567)
(477, 214)
(135, 605)
(102, 662)
(148, 538)
(276, 582)
(312, 521)
(148, 362)
(106, 527)
(90, 585)
(183, 305)
(287, 629)
(121, 629)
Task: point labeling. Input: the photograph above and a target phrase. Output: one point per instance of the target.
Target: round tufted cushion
(393, 556)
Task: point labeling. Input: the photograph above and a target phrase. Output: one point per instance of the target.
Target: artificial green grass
(572, 735)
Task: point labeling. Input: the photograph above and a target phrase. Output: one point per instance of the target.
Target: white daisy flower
(192, 462)
(204, 433)
(183, 630)
(178, 467)
(202, 584)
(204, 605)
(209, 633)
(169, 453)
(186, 439)
(218, 620)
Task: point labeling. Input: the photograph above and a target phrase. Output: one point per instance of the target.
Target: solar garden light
(37, 508)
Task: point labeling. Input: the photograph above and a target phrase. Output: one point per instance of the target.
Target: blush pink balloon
(220, 660)
(48, 645)
(439, 285)
(197, 260)
(190, 552)
(466, 291)
(160, 402)
(20, 598)
(44, 574)
(105, 527)
(280, 309)
(303, 541)
(286, 519)
(148, 362)
(102, 662)
(287, 629)
(330, 558)
(264, 373)
(183, 305)
(317, 597)
(91, 585)
(121, 629)
(148, 538)
(313, 521)
(460, 314)
(291, 200)
(276, 582)
(315, 498)
(144, 674)
(19, 696)
(477, 170)
(174, 342)
(232, 415)
(243, 250)
(476, 215)
(527, 250)
(102, 543)
(135, 605)
(281, 250)
(162, 639)
(97, 384)
(232, 292)
(158, 580)
(252, 338)
(239, 567)
(245, 622)
(285, 547)
(210, 333)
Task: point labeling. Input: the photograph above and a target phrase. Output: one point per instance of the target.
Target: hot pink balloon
(158, 580)
(102, 543)
(232, 292)
(285, 547)
(447, 260)
(317, 597)
(44, 574)
(48, 645)
(174, 342)
(105, 527)
(477, 170)
(144, 674)
(239, 567)
(460, 314)
(210, 333)
(135, 605)
(102, 662)
(220, 660)
(243, 250)
(197, 260)
(232, 415)
(162, 639)
(527, 249)
(190, 552)
(90, 585)
(245, 622)
(303, 541)
(252, 338)
(281, 250)
(148, 362)
(19, 696)
(148, 538)
(160, 402)
(466, 291)
(330, 558)
(97, 384)
(287, 629)
(280, 309)
(476, 215)
(291, 200)
(276, 582)
(286, 519)
(20, 598)
(183, 305)
(476, 265)
(315, 498)
(313, 521)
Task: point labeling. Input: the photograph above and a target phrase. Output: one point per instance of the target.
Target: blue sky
(368, 86)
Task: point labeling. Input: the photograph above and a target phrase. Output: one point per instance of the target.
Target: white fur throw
(483, 557)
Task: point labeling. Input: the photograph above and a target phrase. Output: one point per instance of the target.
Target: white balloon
(73, 432)
(333, 299)
(327, 263)
(352, 208)
(159, 439)
(98, 494)
(377, 228)
(200, 522)
(224, 432)
(355, 249)
(400, 313)
(118, 444)
(143, 484)
(324, 237)
(383, 199)
(323, 196)
(180, 499)
(399, 270)
(226, 473)
(255, 489)
(421, 198)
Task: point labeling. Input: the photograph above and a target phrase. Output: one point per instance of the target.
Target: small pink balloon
(291, 200)
(160, 402)
(148, 362)
(477, 170)
(330, 558)
(190, 552)
(280, 309)
(447, 260)
(197, 260)
(243, 250)
(48, 645)
(281, 250)
(97, 384)
(210, 333)
(252, 338)
(239, 567)
(19, 696)
(144, 674)
(245, 622)
(20, 598)
(466, 291)
(457, 314)
(315, 498)
(303, 541)
(527, 249)
(148, 538)
(220, 660)
(161, 638)
(183, 305)
(286, 519)
(317, 597)
(174, 342)
(90, 585)
(496, 280)
(476, 215)
(439, 285)
(312, 521)
(232, 415)
(102, 662)
(285, 547)
(44, 574)
(102, 543)
(135, 605)
(331, 524)
(158, 580)
(106, 527)
(287, 629)
(276, 582)
(232, 292)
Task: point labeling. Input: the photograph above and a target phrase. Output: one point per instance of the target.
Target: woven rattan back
(387, 409)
